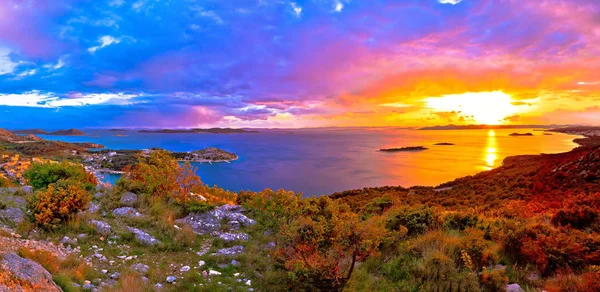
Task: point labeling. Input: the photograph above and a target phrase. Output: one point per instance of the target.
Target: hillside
(531, 224)
(30, 131)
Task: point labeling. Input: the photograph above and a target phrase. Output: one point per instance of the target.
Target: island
(69, 132)
(117, 130)
(444, 144)
(211, 154)
(520, 134)
(198, 130)
(404, 149)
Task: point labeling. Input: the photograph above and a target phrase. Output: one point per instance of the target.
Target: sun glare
(488, 108)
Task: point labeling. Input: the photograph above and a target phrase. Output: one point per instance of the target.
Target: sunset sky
(280, 63)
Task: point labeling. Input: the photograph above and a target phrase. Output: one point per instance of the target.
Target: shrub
(5, 182)
(416, 220)
(377, 206)
(41, 175)
(58, 202)
(576, 216)
(460, 221)
(494, 280)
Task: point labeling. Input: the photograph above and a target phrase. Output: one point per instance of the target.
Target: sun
(488, 108)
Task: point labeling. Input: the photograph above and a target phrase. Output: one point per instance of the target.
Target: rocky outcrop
(209, 222)
(230, 251)
(514, 288)
(143, 237)
(227, 236)
(12, 215)
(126, 212)
(25, 275)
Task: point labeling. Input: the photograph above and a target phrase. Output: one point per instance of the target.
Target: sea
(326, 160)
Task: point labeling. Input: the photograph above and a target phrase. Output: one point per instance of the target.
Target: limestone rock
(102, 227)
(143, 237)
(126, 212)
(28, 272)
(13, 215)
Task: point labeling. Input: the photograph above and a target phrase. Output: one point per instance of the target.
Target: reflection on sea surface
(323, 161)
(490, 156)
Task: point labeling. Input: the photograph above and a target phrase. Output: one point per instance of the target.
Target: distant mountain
(117, 130)
(69, 132)
(191, 131)
(490, 127)
(31, 131)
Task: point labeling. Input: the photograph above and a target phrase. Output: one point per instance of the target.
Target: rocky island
(444, 144)
(404, 149)
(69, 132)
(520, 134)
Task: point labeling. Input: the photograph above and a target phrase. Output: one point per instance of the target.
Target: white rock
(213, 273)
(201, 263)
(184, 269)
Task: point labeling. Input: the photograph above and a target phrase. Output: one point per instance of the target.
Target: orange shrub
(58, 203)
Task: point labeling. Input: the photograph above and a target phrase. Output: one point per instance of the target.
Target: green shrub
(416, 220)
(41, 175)
(460, 221)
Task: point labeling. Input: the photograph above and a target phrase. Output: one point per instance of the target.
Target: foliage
(416, 220)
(60, 201)
(41, 175)
(159, 175)
(5, 182)
(320, 247)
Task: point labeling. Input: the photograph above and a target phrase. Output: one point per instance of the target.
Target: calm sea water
(323, 161)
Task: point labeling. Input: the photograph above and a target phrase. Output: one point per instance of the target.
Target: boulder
(27, 189)
(171, 279)
(26, 273)
(129, 199)
(12, 215)
(101, 227)
(126, 212)
(143, 237)
(93, 208)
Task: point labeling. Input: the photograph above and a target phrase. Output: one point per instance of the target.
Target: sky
(312, 63)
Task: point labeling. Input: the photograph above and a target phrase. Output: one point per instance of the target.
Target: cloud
(105, 41)
(296, 8)
(116, 3)
(201, 12)
(338, 6)
(26, 73)
(51, 100)
(453, 2)
(7, 66)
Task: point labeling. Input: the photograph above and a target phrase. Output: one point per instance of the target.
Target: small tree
(321, 246)
(57, 203)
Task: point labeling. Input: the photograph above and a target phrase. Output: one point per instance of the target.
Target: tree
(321, 246)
